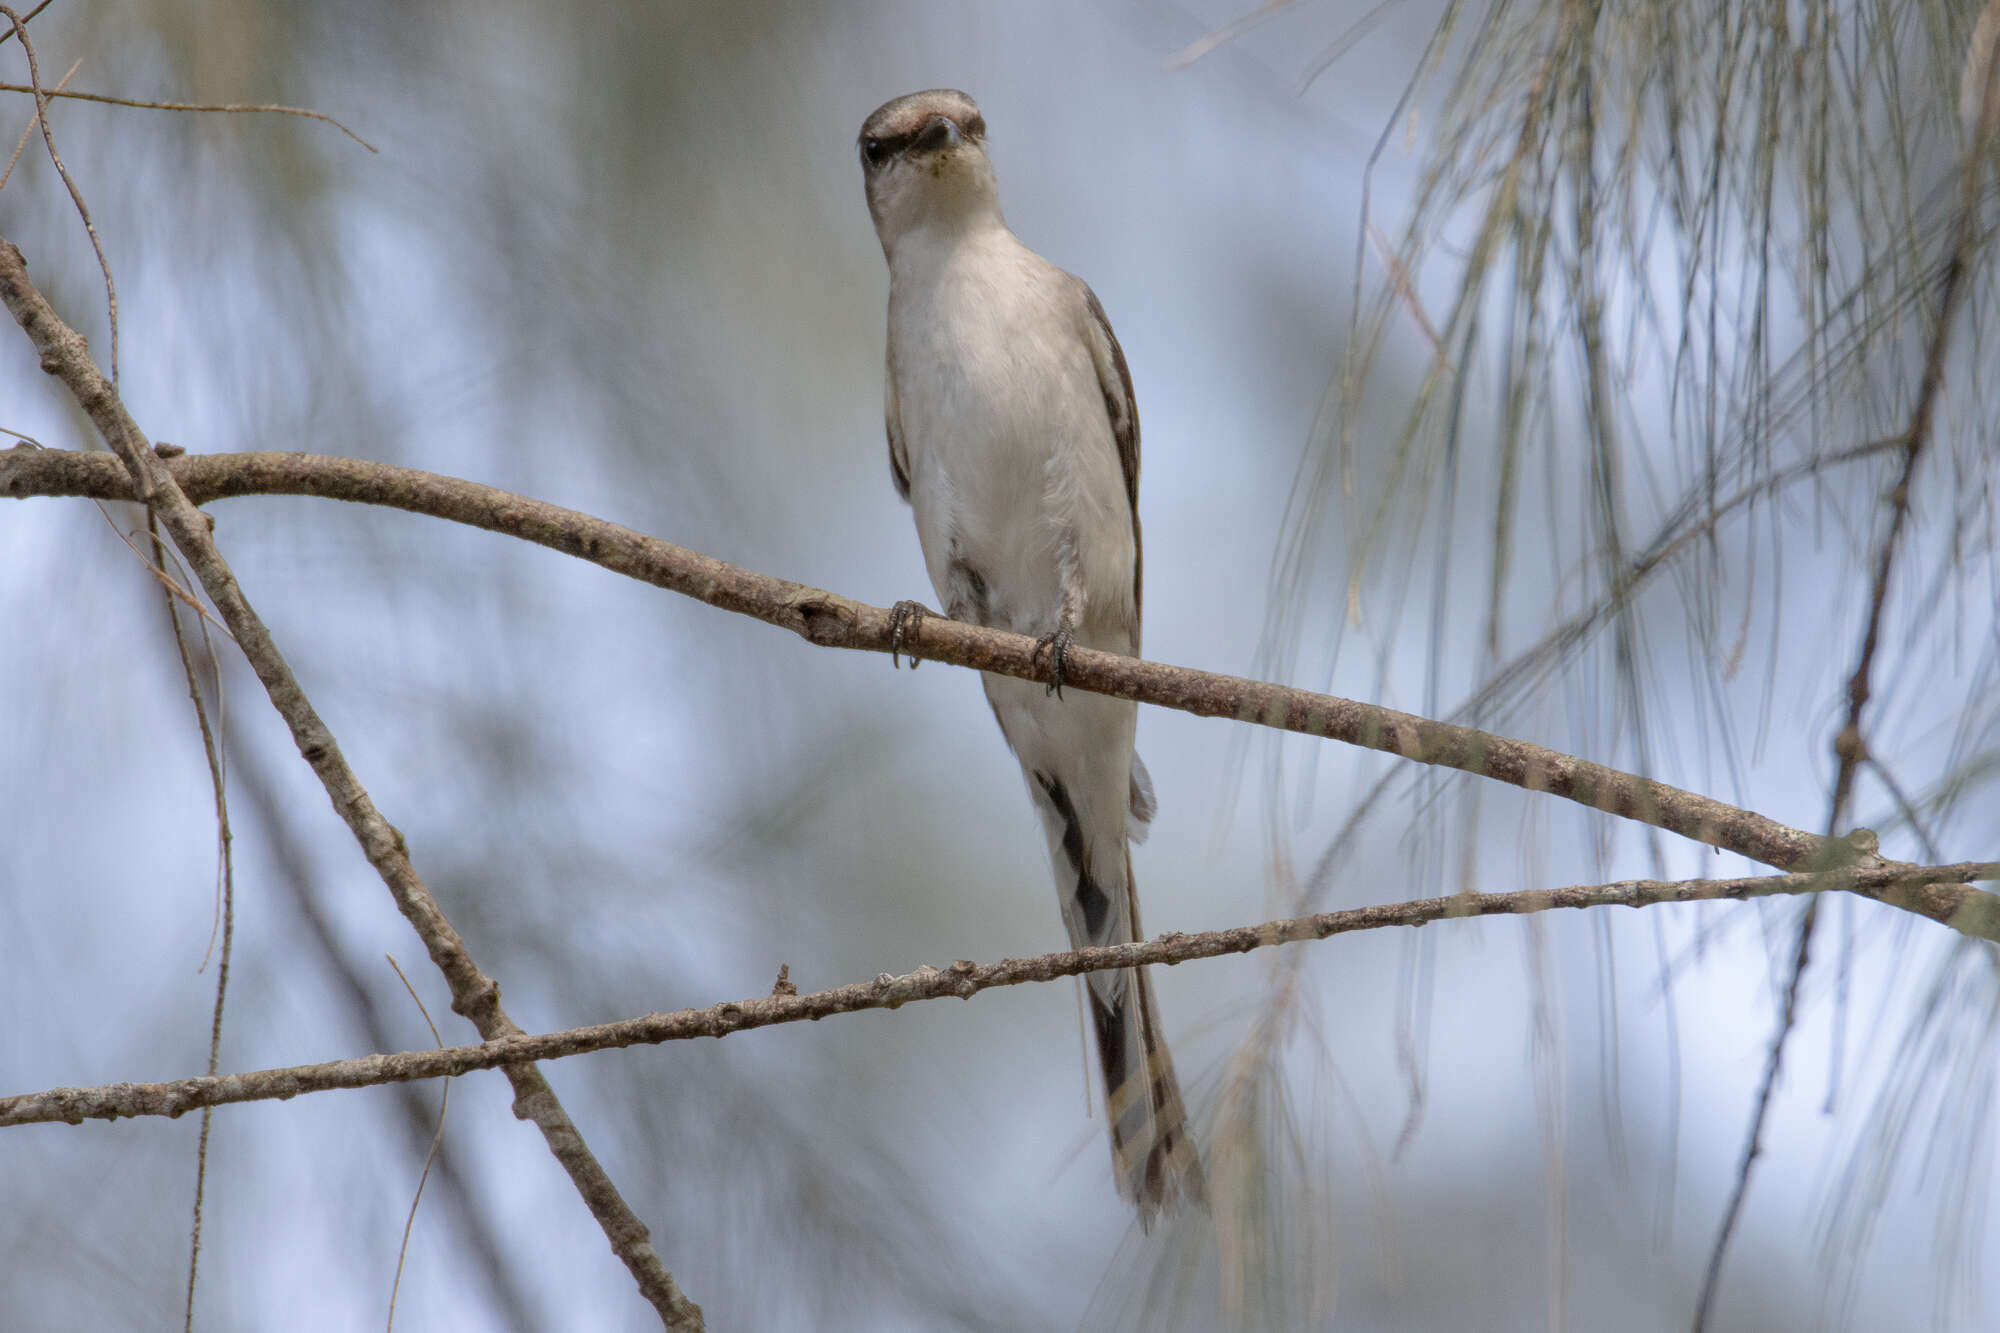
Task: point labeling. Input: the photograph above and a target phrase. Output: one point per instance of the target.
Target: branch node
(823, 619)
(1848, 747)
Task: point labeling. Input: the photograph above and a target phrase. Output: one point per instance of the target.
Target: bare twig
(291, 868)
(25, 19)
(76, 195)
(1939, 893)
(225, 108)
(225, 891)
(474, 994)
(1405, 286)
(1850, 746)
(1224, 35)
(156, 566)
(437, 1141)
(21, 144)
(831, 620)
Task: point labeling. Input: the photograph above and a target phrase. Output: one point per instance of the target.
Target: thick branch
(831, 620)
(1940, 893)
(65, 355)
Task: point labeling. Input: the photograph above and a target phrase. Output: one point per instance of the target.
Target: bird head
(923, 160)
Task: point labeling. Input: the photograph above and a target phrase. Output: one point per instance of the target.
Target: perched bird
(1013, 435)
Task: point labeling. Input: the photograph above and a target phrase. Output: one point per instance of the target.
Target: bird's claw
(1056, 643)
(904, 618)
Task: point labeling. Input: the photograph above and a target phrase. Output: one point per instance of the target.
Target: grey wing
(899, 456)
(1114, 378)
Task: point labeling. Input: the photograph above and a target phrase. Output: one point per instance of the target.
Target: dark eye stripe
(877, 151)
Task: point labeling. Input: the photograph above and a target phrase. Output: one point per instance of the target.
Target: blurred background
(1540, 428)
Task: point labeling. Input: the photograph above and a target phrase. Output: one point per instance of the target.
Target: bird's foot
(904, 618)
(1056, 643)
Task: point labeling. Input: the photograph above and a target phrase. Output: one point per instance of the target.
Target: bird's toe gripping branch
(1057, 643)
(905, 618)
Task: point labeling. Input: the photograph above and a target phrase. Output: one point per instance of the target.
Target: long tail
(1152, 1150)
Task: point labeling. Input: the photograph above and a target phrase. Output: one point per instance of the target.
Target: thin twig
(63, 353)
(1405, 287)
(29, 17)
(830, 620)
(76, 195)
(1225, 34)
(172, 587)
(225, 890)
(290, 866)
(437, 1141)
(227, 108)
(21, 144)
(1939, 893)
(1850, 745)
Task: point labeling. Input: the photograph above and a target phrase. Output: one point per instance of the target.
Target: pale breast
(1010, 446)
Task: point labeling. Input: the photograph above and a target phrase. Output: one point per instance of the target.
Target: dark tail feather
(1152, 1149)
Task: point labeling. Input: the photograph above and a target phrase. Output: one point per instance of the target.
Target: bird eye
(976, 127)
(874, 151)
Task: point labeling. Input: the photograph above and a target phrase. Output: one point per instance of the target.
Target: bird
(1014, 438)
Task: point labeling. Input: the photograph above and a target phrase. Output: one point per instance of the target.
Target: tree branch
(1850, 747)
(65, 355)
(223, 108)
(830, 620)
(1941, 893)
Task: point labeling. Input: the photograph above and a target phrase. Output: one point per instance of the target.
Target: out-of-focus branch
(1850, 746)
(221, 108)
(41, 122)
(65, 355)
(481, 1250)
(830, 620)
(26, 19)
(1940, 893)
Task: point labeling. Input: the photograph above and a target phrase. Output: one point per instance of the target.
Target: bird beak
(940, 133)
